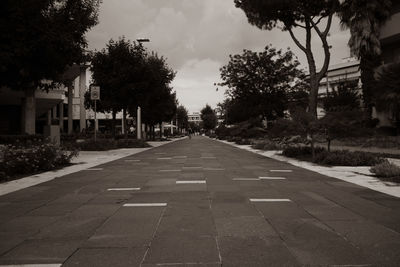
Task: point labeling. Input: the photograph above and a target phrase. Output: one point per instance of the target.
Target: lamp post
(139, 111)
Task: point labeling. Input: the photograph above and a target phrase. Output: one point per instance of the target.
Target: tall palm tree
(364, 19)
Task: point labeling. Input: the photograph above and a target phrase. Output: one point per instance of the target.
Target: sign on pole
(95, 95)
(95, 92)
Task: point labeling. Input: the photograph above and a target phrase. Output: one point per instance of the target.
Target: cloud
(195, 84)
(196, 37)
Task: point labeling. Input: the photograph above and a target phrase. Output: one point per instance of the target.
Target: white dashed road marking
(33, 265)
(214, 169)
(145, 205)
(94, 169)
(271, 178)
(180, 157)
(280, 170)
(132, 160)
(270, 200)
(163, 158)
(195, 168)
(124, 189)
(191, 182)
(246, 179)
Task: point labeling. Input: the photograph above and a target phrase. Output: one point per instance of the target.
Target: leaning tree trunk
(315, 77)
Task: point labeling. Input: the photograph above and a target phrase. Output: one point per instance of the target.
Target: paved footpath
(198, 202)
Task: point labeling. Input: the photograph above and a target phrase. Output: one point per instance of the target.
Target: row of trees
(130, 77)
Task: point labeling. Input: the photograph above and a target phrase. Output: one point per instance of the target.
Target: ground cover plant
(387, 171)
(33, 158)
(333, 158)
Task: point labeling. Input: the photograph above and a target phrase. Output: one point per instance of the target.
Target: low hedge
(300, 151)
(347, 158)
(21, 140)
(267, 145)
(38, 157)
(107, 144)
(334, 158)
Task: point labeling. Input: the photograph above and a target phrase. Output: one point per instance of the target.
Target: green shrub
(243, 142)
(33, 159)
(300, 151)
(386, 169)
(266, 145)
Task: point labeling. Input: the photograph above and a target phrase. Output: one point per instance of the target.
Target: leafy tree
(40, 38)
(258, 83)
(387, 95)
(209, 118)
(305, 14)
(343, 117)
(182, 117)
(345, 97)
(365, 18)
(120, 72)
(158, 102)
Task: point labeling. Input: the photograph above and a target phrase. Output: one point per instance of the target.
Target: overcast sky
(196, 37)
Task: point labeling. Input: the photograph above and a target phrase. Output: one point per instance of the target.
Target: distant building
(194, 118)
(346, 72)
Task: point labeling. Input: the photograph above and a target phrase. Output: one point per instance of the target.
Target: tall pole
(139, 124)
(95, 120)
(70, 124)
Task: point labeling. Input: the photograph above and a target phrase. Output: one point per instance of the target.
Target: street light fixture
(143, 40)
(139, 112)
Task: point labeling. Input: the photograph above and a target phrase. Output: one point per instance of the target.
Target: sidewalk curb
(356, 175)
(15, 185)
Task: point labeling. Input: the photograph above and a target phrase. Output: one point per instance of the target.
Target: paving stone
(128, 227)
(281, 210)
(228, 210)
(41, 252)
(26, 226)
(314, 243)
(71, 227)
(182, 249)
(254, 251)
(116, 257)
(9, 241)
(95, 210)
(245, 227)
(378, 243)
(55, 209)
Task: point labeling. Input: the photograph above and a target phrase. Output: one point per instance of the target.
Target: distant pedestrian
(190, 133)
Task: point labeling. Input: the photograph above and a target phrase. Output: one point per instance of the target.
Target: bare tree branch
(297, 42)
